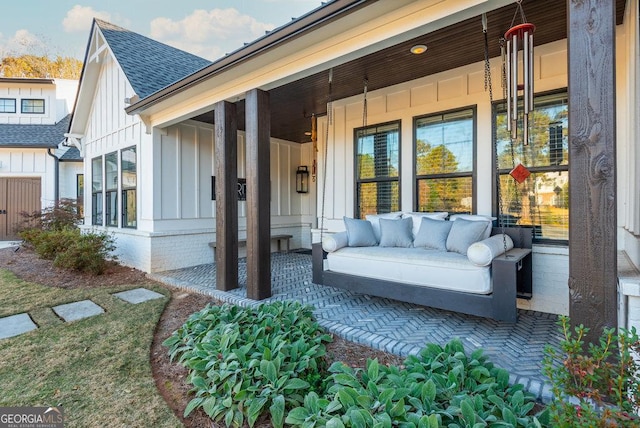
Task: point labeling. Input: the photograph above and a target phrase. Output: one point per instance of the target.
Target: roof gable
(148, 65)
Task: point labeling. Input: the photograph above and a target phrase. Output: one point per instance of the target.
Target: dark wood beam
(258, 133)
(592, 166)
(226, 171)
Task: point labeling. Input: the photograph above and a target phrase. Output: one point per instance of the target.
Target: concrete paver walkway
(77, 310)
(388, 325)
(138, 295)
(15, 325)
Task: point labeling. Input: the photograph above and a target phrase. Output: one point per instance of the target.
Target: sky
(207, 28)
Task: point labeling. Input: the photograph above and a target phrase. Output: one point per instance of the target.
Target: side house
(341, 87)
(35, 169)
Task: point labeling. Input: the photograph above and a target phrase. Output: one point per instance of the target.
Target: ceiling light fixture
(418, 49)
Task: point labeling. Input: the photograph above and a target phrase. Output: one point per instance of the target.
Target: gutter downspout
(57, 174)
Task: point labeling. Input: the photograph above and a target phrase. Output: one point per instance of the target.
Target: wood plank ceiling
(463, 43)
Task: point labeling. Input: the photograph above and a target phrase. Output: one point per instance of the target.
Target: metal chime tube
(527, 77)
(531, 79)
(508, 78)
(514, 86)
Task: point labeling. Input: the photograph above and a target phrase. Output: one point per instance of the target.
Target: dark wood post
(592, 165)
(258, 124)
(226, 171)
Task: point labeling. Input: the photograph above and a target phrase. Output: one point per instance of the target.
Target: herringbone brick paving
(397, 327)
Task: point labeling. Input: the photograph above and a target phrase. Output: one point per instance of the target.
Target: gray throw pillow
(396, 233)
(464, 233)
(359, 232)
(433, 234)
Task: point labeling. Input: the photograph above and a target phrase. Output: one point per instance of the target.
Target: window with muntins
(7, 105)
(96, 191)
(445, 161)
(542, 200)
(128, 164)
(111, 188)
(377, 169)
(32, 106)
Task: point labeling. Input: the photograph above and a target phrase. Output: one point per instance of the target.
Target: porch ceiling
(461, 44)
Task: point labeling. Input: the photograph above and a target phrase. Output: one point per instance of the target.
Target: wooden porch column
(592, 165)
(258, 124)
(226, 171)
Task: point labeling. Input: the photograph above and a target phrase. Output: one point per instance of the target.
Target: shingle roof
(71, 155)
(30, 136)
(149, 65)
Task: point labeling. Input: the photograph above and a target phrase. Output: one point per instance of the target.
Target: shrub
(65, 214)
(244, 362)
(597, 386)
(440, 387)
(88, 252)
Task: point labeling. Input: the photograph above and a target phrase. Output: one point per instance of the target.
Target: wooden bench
(278, 238)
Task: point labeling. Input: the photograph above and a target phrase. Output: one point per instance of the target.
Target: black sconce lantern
(302, 179)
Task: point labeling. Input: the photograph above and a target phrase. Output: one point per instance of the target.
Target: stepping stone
(15, 325)
(138, 295)
(77, 310)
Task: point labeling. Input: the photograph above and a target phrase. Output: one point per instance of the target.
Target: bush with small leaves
(88, 252)
(598, 385)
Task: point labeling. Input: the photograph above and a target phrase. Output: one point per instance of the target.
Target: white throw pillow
(374, 219)
(416, 218)
(334, 242)
(359, 232)
(464, 233)
(481, 253)
(476, 217)
(396, 233)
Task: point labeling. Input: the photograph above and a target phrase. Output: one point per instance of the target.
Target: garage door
(17, 195)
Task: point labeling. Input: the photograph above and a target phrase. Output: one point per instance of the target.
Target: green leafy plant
(88, 252)
(246, 362)
(440, 387)
(595, 385)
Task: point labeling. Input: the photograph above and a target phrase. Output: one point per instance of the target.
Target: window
(377, 169)
(96, 191)
(129, 181)
(80, 194)
(32, 106)
(445, 161)
(7, 105)
(111, 188)
(542, 200)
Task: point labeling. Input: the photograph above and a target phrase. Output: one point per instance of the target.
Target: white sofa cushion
(433, 234)
(396, 233)
(359, 232)
(374, 219)
(463, 233)
(481, 253)
(418, 266)
(335, 241)
(416, 218)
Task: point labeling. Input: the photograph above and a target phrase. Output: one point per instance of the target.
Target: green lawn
(97, 369)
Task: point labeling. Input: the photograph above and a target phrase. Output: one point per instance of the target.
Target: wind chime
(517, 38)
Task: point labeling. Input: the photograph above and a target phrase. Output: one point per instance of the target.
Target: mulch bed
(169, 377)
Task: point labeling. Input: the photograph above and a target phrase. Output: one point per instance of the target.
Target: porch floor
(396, 327)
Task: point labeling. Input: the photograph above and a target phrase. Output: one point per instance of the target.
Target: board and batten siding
(462, 87)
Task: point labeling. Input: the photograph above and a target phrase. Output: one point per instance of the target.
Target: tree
(40, 66)
(444, 193)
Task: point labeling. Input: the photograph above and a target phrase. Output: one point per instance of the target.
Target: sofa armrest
(481, 253)
(331, 243)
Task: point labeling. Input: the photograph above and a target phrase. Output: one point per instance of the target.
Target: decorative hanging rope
(326, 152)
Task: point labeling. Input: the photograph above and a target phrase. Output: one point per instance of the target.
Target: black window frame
(97, 205)
(111, 191)
(561, 92)
(474, 168)
(2, 105)
(357, 181)
(24, 110)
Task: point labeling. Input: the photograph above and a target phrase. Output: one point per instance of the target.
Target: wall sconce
(302, 179)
